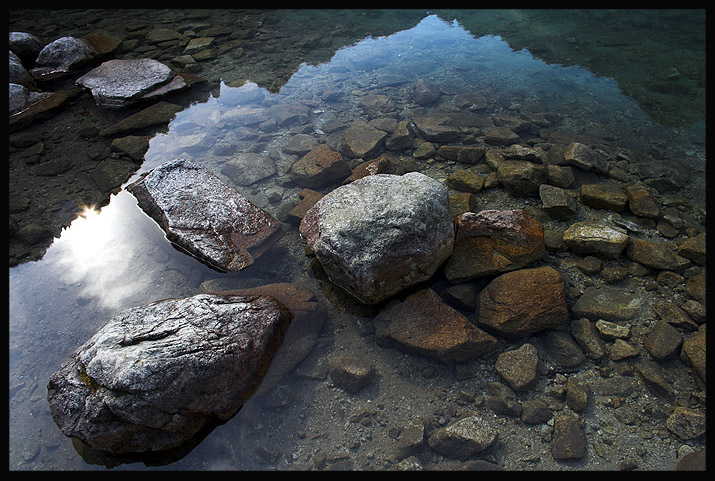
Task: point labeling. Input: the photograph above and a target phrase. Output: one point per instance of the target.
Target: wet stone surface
(612, 379)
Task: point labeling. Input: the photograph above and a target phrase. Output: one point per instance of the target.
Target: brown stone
(380, 165)
(693, 352)
(518, 367)
(603, 196)
(423, 324)
(351, 373)
(520, 177)
(362, 140)
(656, 254)
(523, 302)
(569, 440)
(494, 241)
(501, 136)
(319, 167)
(308, 199)
(641, 202)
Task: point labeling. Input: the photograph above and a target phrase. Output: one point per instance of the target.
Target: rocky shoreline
(580, 299)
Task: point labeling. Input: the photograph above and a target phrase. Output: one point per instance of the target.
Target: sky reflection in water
(119, 258)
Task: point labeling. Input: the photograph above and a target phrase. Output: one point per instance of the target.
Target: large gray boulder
(204, 216)
(155, 375)
(381, 234)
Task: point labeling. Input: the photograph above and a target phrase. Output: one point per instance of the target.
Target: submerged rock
(463, 438)
(523, 302)
(155, 375)
(423, 324)
(381, 234)
(204, 216)
(494, 241)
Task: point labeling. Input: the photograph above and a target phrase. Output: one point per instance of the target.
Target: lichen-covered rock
(204, 216)
(155, 375)
(381, 234)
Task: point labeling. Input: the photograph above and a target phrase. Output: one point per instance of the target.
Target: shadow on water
(118, 258)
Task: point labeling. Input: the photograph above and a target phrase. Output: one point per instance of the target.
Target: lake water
(117, 257)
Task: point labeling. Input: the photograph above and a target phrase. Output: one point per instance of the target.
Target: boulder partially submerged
(156, 375)
(121, 82)
(381, 234)
(204, 216)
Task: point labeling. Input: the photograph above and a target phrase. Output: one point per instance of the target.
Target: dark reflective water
(118, 258)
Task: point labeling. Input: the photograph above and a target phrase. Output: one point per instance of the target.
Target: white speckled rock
(595, 238)
(204, 216)
(381, 234)
(155, 375)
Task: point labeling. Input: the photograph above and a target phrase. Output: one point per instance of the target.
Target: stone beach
(458, 278)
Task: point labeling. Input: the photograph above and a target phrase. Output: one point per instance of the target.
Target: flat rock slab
(155, 375)
(117, 83)
(204, 216)
(381, 234)
(423, 324)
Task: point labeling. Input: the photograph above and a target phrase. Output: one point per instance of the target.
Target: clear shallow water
(118, 258)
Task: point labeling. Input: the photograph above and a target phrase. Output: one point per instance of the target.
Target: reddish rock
(494, 241)
(319, 167)
(423, 324)
(308, 199)
(362, 140)
(523, 302)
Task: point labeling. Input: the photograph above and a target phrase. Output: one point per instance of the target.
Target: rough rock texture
(204, 216)
(423, 324)
(63, 54)
(569, 440)
(117, 83)
(596, 238)
(351, 373)
(155, 375)
(362, 140)
(319, 167)
(608, 303)
(518, 367)
(464, 438)
(494, 241)
(381, 234)
(656, 254)
(302, 334)
(584, 157)
(521, 177)
(523, 302)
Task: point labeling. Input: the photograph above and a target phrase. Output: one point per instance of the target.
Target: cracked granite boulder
(156, 375)
(205, 217)
(381, 234)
